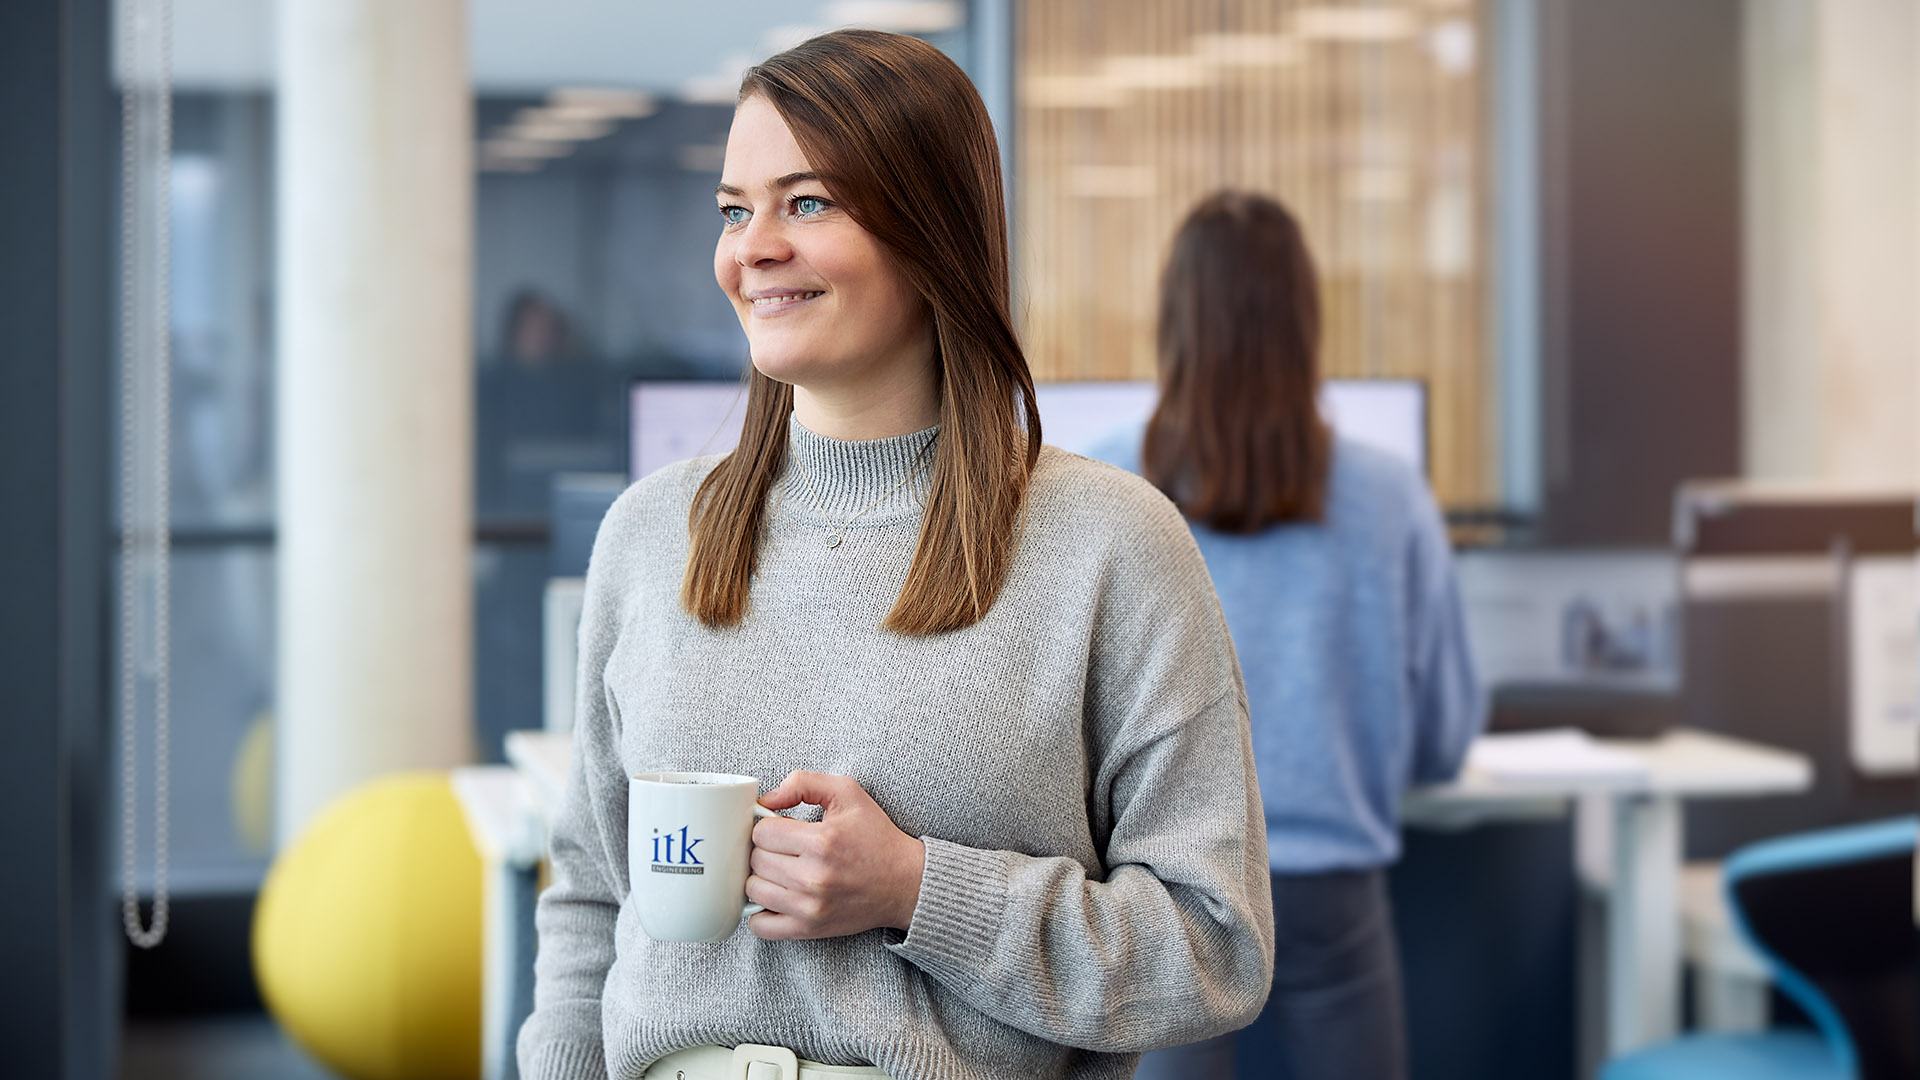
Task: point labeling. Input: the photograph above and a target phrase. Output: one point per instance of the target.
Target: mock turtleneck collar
(840, 477)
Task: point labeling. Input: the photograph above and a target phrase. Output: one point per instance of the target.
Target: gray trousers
(1335, 1010)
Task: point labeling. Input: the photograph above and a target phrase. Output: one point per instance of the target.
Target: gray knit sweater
(1077, 763)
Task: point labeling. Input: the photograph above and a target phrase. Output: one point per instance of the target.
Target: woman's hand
(849, 872)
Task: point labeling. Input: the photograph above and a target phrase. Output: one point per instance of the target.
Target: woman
(997, 669)
(1334, 571)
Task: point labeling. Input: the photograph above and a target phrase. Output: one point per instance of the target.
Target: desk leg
(526, 895)
(507, 981)
(1726, 1001)
(1643, 924)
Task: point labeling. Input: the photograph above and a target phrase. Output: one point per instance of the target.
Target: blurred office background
(1653, 264)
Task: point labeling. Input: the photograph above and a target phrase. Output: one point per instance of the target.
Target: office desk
(542, 757)
(1627, 829)
(507, 821)
(509, 810)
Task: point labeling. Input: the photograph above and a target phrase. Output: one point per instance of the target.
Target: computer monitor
(672, 420)
(1388, 413)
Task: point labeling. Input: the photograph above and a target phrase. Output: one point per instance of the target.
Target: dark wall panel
(59, 1001)
(1640, 227)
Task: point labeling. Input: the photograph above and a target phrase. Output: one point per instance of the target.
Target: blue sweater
(1351, 638)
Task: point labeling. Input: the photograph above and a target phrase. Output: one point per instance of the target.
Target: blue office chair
(1832, 912)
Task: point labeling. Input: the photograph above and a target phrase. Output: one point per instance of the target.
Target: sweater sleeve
(1449, 707)
(575, 916)
(1171, 940)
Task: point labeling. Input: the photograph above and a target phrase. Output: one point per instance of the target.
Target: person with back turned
(1333, 568)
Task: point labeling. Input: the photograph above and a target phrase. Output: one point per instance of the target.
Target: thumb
(820, 789)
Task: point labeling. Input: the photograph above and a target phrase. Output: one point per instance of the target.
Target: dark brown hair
(1237, 441)
(904, 145)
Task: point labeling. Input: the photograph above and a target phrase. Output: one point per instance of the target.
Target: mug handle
(751, 909)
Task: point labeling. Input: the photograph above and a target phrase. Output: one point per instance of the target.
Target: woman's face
(820, 299)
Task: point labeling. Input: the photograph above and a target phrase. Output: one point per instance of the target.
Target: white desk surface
(543, 757)
(495, 802)
(1683, 762)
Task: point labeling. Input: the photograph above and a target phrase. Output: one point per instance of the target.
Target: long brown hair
(1237, 441)
(903, 143)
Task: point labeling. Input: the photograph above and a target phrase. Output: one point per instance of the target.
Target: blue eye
(806, 205)
(733, 215)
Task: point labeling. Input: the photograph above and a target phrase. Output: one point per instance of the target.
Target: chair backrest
(1833, 911)
(1764, 619)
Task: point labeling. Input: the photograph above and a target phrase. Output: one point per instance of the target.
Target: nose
(762, 243)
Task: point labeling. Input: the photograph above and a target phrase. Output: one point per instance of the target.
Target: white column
(375, 395)
(1869, 259)
(1832, 227)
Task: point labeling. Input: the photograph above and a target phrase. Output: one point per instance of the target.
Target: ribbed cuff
(963, 901)
(565, 1061)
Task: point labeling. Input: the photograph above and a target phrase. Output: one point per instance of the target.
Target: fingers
(820, 789)
(773, 926)
(777, 898)
(787, 871)
(785, 835)
(790, 915)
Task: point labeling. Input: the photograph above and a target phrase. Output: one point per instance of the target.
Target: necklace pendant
(833, 540)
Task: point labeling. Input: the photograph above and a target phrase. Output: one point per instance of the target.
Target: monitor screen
(675, 420)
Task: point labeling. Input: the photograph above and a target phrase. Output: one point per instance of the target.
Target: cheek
(869, 284)
(896, 306)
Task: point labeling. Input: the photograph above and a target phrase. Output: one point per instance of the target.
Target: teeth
(769, 301)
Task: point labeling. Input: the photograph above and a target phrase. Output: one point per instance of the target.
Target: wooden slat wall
(1129, 111)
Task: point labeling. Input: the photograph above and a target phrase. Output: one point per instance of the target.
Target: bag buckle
(751, 1061)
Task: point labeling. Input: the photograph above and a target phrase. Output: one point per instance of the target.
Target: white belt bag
(751, 1061)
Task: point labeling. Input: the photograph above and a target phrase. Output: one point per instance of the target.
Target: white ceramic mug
(689, 835)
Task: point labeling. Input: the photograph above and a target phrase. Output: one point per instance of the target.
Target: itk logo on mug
(680, 858)
(690, 882)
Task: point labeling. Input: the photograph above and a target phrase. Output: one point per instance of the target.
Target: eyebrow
(776, 184)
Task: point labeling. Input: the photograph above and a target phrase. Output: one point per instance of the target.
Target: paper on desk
(1553, 754)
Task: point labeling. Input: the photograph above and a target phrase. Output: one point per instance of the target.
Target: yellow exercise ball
(250, 787)
(366, 939)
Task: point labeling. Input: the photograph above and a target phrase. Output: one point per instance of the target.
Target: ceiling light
(1071, 92)
(781, 38)
(1452, 46)
(709, 90)
(541, 124)
(1354, 24)
(1111, 181)
(565, 113)
(1156, 72)
(1248, 50)
(606, 101)
(1377, 183)
(905, 16)
(524, 148)
(720, 88)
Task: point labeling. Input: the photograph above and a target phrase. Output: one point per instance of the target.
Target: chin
(783, 363)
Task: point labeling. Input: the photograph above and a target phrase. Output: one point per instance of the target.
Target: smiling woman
(998, 670)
